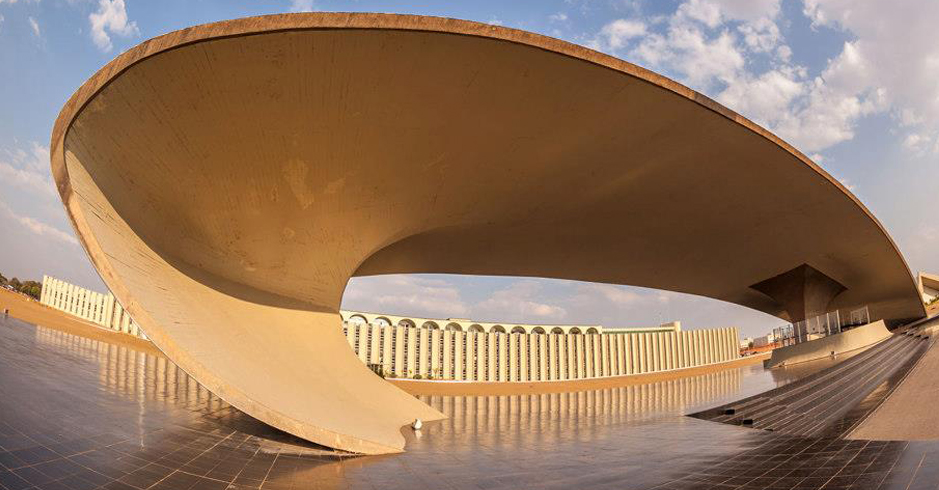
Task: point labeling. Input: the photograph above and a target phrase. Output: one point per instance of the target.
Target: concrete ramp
(910, 412)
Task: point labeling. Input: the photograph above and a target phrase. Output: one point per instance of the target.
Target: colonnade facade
(97, 308)
(433, 351)
(426, 353)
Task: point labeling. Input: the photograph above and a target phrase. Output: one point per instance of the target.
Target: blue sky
(853, 83)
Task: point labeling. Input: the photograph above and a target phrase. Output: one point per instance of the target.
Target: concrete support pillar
(543, 357)
(423, 352)
(620, 355)
(712, 346)
(399, 349)
(459, 359)
(523, 360)
(447, 367)
(471, 356)
(412, 350)
(580, 356)
(361, 335)
(552, 357)
(570, 369)
(374, 344)
(349, 329)
(804, 292)
(590, 351)
(482, 359)
(387, 348)
(491, 355)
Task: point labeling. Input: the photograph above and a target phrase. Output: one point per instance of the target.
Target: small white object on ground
(417, 424)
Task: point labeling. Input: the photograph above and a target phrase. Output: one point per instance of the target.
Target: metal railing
(820, 326)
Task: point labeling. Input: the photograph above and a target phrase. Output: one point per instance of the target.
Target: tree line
(29, 288)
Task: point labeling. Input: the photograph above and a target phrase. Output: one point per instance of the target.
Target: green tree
(15, 283)
(3, 280)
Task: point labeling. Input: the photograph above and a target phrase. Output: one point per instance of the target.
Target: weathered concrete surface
(228, 179)
(847, 341)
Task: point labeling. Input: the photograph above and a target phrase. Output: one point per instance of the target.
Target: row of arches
(382, 321)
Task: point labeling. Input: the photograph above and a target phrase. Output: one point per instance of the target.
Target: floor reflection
(82, 414)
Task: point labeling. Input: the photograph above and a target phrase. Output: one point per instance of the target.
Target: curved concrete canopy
(228, 179)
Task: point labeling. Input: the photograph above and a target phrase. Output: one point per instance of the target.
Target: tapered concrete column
(803, 291)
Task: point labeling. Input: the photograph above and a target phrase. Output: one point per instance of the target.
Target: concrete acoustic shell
(228, 179)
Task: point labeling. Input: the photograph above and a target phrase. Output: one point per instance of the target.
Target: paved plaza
(83, 414)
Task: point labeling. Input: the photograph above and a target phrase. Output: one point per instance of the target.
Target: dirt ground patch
(29, 310)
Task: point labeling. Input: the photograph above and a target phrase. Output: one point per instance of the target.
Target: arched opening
(431, 325)
(476, 328)
(557, 330)
(592, 331)
(382, 322)
(539, 330)
(406, 322)
(454, 327)
(518, 329)
(497, 329)
(357, 319)
(575, 331)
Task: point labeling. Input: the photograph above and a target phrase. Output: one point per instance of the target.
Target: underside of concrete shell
(228, 179)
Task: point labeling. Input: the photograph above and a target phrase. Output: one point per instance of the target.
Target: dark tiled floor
(80, 414)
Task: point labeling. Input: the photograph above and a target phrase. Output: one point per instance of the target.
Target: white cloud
(518, 302)
(558, 17)
(34, 26)
(616, 34)
(406, 295)
(735, 52)
(495, 22)
(301, 5)
(37, 227)
(27, 170)
(896, 47)
(766, 98)
(111, 16)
